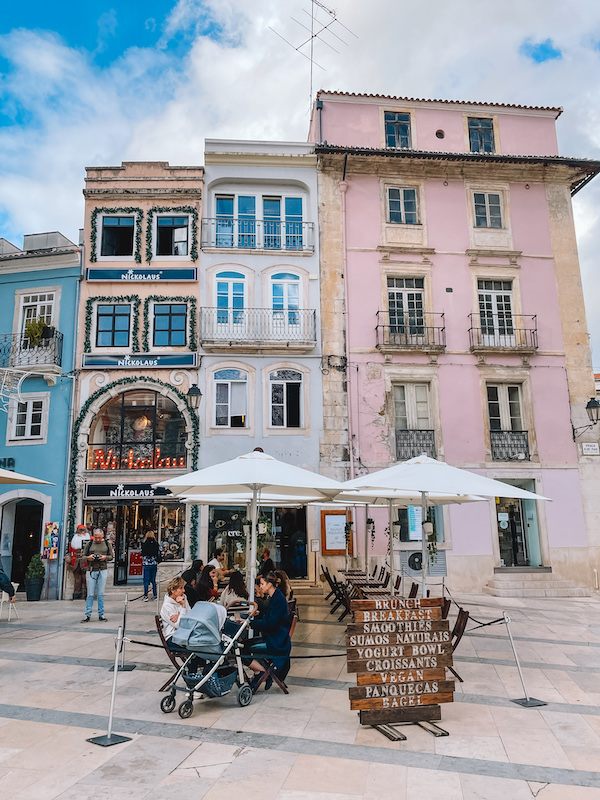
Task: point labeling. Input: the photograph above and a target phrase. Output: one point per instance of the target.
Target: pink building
(451, 287)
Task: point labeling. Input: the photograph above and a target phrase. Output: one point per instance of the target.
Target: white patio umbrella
(6, 476)
(437, 483)
(254, 472)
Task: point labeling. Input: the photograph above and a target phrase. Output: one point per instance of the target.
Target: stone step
(527, 576)
(305, 588)
(538, 591)
(517, 584)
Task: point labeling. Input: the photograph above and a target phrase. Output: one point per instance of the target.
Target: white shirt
(170, 607)
(79, 539)
(214, 563)
(222, 614)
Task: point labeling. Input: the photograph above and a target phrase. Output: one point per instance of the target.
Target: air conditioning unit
(411, 566)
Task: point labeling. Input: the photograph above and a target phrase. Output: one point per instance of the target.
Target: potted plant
(348, 532)
(48, 332)
(246, 525)
(34, 578)
(371, 529)
(264, 525)
(33, 331)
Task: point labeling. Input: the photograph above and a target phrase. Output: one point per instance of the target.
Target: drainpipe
(60, 584)
(343, 190)
(319, 107)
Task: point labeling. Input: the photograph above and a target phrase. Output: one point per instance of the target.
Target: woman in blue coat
(274, 626)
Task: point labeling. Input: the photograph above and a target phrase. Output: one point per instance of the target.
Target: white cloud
(239, 80)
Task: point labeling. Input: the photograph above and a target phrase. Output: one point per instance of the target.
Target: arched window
(231, 398)
(286, 398)
(285, 293)
(231, 297)
(138, 430)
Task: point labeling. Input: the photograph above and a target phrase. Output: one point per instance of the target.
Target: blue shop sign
(132, 275)
(141, 360)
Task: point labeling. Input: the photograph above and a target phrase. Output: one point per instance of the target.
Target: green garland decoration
(89, 312)
(193, 212)
(139, 216)
(160, 298)
(194, 533)
(72, 486)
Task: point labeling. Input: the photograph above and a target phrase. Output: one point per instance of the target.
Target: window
(412, 421)
(272, 222)
(237, 225)
(230, 297)
(246, 221)
(397, 129)
(117, 236)
(488, 210)
(169, 325)
(172, 236)
(285, 288)
(224, 222)
(293, 223)
(231, 398)
(137, 430)
(402, 204)
(495, 313)
(504, 408)
(405, 305)
(37, 306)
(28, 420)
(481, 135)
(112, 325)
(286, 396)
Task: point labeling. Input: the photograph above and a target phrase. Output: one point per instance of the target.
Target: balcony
(257, 329)
(410, 444)
(509, 445)
(503, 332)
(266, 236)
(45, 358)
(413, 331)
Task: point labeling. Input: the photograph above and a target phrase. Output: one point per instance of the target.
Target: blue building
(39, 288)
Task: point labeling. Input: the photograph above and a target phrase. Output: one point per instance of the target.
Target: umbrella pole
(366, 540)
(424, 553)
(253, 532)
(391, 547)
(248, 541)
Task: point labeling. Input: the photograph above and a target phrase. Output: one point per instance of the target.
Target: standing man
(98, 553)
(78, 542)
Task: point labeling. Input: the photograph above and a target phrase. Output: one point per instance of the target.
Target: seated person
(274, 625)
(191, 573)
(260, 598)
(267, 565)
(209, 578)
(216, 563)
(284, 584)
(174, 607)
(235, 592)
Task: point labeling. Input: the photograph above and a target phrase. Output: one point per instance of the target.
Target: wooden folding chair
(177, 659)
(5, 598)
(414, 590)
(386, 579)
(374, 571)
(277, 675)
(397, 583)
(457, 634)
(446, 607)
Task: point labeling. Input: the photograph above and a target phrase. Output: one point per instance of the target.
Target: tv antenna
(323, 21)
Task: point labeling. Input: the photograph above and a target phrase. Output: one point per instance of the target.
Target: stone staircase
(533, 584)
(302, 588)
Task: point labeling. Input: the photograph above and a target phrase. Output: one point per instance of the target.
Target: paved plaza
(55, 689)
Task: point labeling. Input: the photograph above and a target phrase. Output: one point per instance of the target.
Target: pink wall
(565, 520)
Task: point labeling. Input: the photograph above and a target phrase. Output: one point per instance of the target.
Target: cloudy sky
(97, 83)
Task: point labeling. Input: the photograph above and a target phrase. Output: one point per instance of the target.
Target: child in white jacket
(174, 607)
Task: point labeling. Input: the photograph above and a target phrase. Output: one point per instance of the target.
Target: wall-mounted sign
(50, 543)
(7, 463)
(109, 459)
(141, 360)
(124, 491)
(415, 519)
(142, 275)
(333, 533)
(590, 449)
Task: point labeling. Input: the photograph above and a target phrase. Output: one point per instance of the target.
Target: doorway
(27, 538)
(518, 531)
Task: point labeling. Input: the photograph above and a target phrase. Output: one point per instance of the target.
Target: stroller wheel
(185, 709)
(244, 695)
(167, 704)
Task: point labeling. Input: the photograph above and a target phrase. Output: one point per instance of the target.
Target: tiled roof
(557, 109)
(52, 251)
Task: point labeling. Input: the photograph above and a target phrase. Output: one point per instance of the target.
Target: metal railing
(503, 331)
(258, 325)
(17, 350)
(410, 444)
(414, 331)
(258, 234)
(509, 445)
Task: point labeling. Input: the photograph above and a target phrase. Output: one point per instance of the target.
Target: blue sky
(96, 83)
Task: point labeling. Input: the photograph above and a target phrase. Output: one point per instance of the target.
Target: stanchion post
(123, 667)
(526, 702)
(112, 738)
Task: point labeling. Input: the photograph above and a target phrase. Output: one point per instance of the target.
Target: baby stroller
(214, 665)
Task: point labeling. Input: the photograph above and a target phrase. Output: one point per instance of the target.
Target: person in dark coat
(267, 564)
(274, 625)
(191, 576)
(150, 558)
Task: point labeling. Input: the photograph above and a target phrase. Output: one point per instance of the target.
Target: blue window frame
(224, 222)
(397, 129)
(272, 222)
(246, 221)
(112, 325)
(293, 223)
(230, 297)
(117, 236)
(169, 324)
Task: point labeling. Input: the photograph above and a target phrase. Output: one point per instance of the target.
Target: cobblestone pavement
(55, 689)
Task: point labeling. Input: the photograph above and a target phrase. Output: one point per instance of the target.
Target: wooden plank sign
(399, 648)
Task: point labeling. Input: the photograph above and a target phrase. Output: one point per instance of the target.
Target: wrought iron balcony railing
(410, 444)
(17, 350)
(509, 445)
(259, 326)
(258, 234)
(413, 331)
(503, 331)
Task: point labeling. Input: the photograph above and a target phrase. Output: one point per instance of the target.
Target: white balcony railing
(258, 234)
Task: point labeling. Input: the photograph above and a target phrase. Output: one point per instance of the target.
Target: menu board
(400, 649)
(333, 533)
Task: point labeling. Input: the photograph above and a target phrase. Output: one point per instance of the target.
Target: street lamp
(194, 396)
(593, 411)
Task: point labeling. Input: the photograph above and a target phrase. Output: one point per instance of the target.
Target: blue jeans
(96, 582)
(150, 578)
